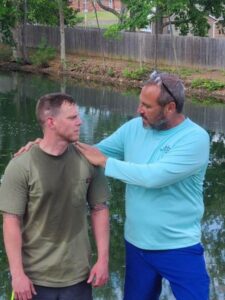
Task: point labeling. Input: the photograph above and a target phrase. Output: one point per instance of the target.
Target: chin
(145, 123)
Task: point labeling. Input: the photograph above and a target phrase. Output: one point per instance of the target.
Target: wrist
(104, 162)
(17, 273)
(103, 258)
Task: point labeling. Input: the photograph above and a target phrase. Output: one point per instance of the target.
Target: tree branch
(109, 9)
(176, 22)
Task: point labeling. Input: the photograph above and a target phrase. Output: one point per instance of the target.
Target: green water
(102, 111)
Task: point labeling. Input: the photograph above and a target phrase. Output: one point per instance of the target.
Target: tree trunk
(158, 26)
(62, 36)
(16, 33)
(16, 49)
(23, 34)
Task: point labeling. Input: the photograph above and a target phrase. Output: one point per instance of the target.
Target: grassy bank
(200, 83)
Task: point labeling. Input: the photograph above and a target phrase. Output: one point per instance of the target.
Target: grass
(136, 74)
(207, 101)
(103, 16)
(183, 71)
(208, 84)
(105, 19)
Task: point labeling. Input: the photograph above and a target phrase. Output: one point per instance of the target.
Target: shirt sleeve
(183, 160)
(14, 189)
(113, 146)
(98, 190)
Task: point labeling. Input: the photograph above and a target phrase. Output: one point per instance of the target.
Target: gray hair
(172, 89)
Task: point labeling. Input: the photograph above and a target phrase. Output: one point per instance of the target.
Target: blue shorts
(79, 291)
(184, 268)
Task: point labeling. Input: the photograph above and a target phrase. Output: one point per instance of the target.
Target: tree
(185, 15)
(62, 35)
(7, 20)
(15, 14)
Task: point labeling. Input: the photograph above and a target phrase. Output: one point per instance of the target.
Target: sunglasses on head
(158, 79)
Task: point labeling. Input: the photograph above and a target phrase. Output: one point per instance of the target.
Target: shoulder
(19, 166)
(133, 124)
(20, 161)
(197, 129)
(136, 121)
(80, 158)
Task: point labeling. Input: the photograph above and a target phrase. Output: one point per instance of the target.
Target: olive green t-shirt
(51, 193)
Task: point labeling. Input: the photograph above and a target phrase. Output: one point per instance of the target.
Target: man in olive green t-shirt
(43, 197)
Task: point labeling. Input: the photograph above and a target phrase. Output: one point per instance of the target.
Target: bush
(135, 74)
(208, 84)
(113, 32)
(110, 72)
(43, 55)
(5, 53)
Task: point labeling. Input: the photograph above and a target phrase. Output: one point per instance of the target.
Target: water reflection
(102, 111)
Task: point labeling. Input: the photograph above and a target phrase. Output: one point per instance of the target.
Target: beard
(160, 124)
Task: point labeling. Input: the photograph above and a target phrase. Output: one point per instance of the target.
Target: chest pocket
(80, 192)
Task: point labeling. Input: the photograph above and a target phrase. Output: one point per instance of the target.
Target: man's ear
(50, 122)
(170, 107)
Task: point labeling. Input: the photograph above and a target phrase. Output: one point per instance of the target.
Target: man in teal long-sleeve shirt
(162, 157)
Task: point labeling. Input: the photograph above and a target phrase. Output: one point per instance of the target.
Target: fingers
(24, 289)
(21, 150)
(33, 289)
(98, 278)
(37, 141)
(86, 148)
(27, 147)
(91, 278)
(82, 146)
(23, 296)
(100, 281)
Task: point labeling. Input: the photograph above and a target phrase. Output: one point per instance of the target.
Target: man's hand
(93, 155)
(23, 287)
(99, 274)
(27, 147)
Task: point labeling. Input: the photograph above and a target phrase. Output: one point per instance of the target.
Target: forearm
(100, 226)
(13, 243)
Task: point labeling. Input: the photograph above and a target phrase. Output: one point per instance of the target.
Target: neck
(174, 121)
(53, 147)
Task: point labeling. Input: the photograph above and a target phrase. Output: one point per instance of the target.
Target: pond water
(103, 110)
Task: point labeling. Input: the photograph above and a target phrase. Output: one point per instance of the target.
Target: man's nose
(140, 109)
(79, 121)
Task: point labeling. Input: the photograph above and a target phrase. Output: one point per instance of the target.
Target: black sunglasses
(157, 78)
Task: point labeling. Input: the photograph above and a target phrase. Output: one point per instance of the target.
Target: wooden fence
(137, 46)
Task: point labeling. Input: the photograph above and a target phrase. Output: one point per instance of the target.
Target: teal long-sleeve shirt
(164, 172)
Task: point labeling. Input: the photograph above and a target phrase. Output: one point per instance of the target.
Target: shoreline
(111, 72)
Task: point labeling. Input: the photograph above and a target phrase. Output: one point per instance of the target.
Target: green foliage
(137, 74)
(5, 53)
(47, 13)
(113, 32)
(111, 72)
(207, 101)
(7, 20)
(182, 71)
(190, 16)
(139, 11)
(208, 84)
(43, 55)
(38, 12)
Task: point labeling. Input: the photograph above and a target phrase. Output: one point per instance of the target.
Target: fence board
(137, 46)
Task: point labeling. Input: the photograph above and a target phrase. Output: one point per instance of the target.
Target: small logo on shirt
(166, 149)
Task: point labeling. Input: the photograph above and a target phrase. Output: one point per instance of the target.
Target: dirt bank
(112, 72)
